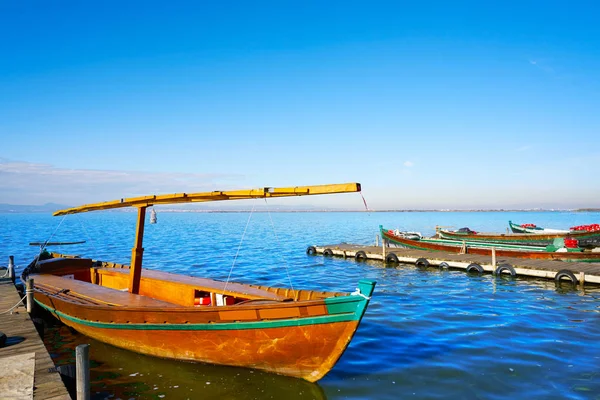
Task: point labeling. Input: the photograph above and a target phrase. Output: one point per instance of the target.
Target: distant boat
(299, 333)
(544, 237)
(550, 252)
(534, 229)
(153, 216)
(586, 235)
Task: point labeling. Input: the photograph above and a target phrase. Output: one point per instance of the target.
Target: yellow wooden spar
(177, 198)
(145, 201)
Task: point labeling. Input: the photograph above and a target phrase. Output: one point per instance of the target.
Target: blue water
(427, 333)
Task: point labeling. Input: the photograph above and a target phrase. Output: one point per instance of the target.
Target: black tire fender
(473, 267)
(444, 264)
(391, 258)
(311, 250)
(505, 267)
(327, 253)
(565, 273)
(360, 256)
(422, 262)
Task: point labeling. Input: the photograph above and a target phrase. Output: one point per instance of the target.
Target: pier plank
(23, 338)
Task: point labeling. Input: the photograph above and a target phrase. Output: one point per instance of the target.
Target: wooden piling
(29, 293)
(494, 257)
(82, 371)
(11, 268)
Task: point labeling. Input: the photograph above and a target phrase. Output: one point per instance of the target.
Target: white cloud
(408, 164)
(31, 183)
(542, 64)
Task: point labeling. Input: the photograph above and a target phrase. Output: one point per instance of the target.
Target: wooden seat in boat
(170, 284)
(95, 293)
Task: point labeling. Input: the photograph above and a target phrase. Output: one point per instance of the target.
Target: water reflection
(117, 373)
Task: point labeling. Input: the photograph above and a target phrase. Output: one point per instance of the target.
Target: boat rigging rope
(87, 234)
(287, 270)
(43, 247)
(364, 201)
(239, 247)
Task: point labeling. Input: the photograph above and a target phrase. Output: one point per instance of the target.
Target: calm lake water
(427, 334)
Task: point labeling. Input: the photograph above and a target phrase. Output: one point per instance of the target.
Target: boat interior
(86, 281)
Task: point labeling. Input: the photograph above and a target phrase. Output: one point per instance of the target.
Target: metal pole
(82, 371)
(11, 268)
(29, 294)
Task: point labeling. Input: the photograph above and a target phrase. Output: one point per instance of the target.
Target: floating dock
(576, 272)
(27, 369)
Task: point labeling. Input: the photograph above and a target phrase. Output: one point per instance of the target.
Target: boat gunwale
(268, 303)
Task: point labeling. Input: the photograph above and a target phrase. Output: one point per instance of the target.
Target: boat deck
(584, 272)
(24, 343)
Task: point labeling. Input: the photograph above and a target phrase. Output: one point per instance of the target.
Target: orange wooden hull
(301, 337)
(306, 352)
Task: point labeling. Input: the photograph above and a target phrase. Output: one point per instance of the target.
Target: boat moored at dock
(528, 236)
(555, 251)
(298, 333)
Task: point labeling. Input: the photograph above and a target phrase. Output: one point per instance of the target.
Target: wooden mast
(137, 253)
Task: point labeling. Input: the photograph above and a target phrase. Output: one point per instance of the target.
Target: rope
(87, 234)
(358, 293)
(43, 247)
(238, 249)
(5, 273)
(287, 270)
(364, 201)
(15, 306)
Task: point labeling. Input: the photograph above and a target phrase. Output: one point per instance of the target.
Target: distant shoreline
(318, 211)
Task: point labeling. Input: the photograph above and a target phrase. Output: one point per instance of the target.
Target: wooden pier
(27, 369)
(576, 272)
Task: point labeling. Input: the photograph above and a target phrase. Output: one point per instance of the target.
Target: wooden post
(137, 253)
(494, 257)
(29, 294)
(11, 268)
(582, 278)
(383, 247)
(82, 371)
(377, 240)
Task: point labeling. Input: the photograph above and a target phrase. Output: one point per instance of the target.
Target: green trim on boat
(339, 305)
(347, 310)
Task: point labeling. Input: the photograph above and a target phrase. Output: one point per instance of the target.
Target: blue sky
(427, 104)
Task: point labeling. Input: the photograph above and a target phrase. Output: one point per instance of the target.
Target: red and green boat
(555, 251)
(526, 234)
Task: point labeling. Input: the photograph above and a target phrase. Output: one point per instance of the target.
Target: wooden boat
(550, 252)
(545, 237)
(534, 229)
(588, 236)
(299, 333)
